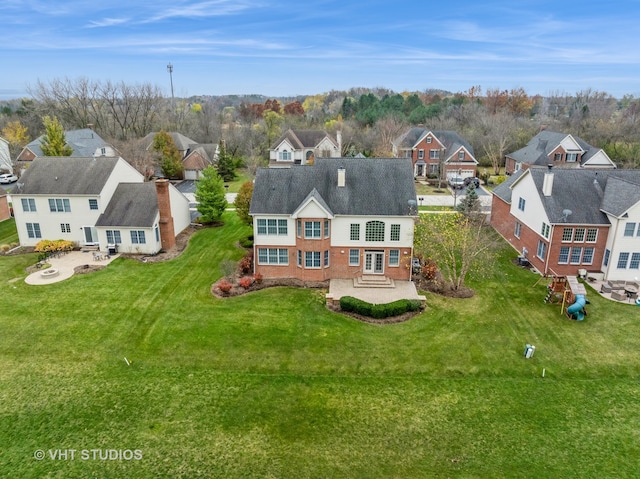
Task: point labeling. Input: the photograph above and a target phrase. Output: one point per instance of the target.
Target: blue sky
(303, 47)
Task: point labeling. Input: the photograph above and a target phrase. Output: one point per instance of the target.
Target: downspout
(546, 261)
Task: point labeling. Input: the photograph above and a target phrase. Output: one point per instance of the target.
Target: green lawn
(271, 384)
(422, 189)
(8, 233)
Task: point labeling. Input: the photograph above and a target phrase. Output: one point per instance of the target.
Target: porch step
(373, 281)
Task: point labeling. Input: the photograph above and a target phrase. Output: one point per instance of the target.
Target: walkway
(65, 265)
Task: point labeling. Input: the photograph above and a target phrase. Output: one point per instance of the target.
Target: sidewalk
(448, 200)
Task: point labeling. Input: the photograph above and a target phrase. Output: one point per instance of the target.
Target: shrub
(225, 286)
(53, 246)
(246, 263)
(378, 311)
(245, 281)
(430, 270)
(4, 248)
(246, 243)
(228, 267)
(258, 277)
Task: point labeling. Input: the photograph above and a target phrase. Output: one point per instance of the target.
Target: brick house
(564, 220)
(337, 219)
(5, 211)
(195, 156)
(428, 149)
(557, 149)
(301, 147)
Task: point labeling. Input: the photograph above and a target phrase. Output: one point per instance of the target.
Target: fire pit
(49, 273)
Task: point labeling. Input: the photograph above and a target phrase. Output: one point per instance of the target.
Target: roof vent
(566, 214)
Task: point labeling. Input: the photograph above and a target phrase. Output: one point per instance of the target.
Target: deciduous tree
(457, 243)
(53, 142)
(17, 135)
(169, 156)
(243, 202)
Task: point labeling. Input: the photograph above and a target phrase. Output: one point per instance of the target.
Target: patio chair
(605, 288)
(618, 296)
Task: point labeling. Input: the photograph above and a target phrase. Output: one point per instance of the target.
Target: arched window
(285, 155)
(374, 231)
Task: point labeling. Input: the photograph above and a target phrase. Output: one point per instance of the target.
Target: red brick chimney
(167, 232)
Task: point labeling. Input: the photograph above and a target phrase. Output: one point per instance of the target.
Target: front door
(374, 262)
(90, 235)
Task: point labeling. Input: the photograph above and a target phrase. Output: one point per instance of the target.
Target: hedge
(378, 311)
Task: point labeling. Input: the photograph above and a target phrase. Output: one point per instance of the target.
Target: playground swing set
(571, 293)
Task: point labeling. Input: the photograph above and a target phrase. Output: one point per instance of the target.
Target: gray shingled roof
(408, 139)
(182, 142)
(374, 186)
(66, 175)
(132, 205)
(449, 138)
(84, 142)
(503, 190)
(537, 151)
(303, 138)
(585, 192)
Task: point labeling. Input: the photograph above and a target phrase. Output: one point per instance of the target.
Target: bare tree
(387, 129)
(115, 110)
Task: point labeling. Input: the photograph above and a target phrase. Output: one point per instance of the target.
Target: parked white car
(8, 178)
(456, 182)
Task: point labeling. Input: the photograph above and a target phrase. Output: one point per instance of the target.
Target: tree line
(494, 121)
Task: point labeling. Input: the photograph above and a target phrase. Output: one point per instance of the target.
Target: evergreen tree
(210, 195)
(469, 205)
(243, 202)
(53, 142)
(226, 165)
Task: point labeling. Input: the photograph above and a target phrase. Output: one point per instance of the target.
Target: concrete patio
(64, 265)
(373, 294)
(596, 286)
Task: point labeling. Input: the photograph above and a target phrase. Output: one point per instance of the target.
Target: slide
(576, 310)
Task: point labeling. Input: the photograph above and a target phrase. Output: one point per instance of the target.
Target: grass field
(272, 384)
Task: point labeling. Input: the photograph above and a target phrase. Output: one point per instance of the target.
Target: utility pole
(170, 70)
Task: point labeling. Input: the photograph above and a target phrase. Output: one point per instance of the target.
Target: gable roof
(373, 187)
(84, 143)
(537, 151)
(199, 157)
(451, 140)
(58, 175)
(182, 142)
(300, 139)
(132, 205)
(587, 193)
